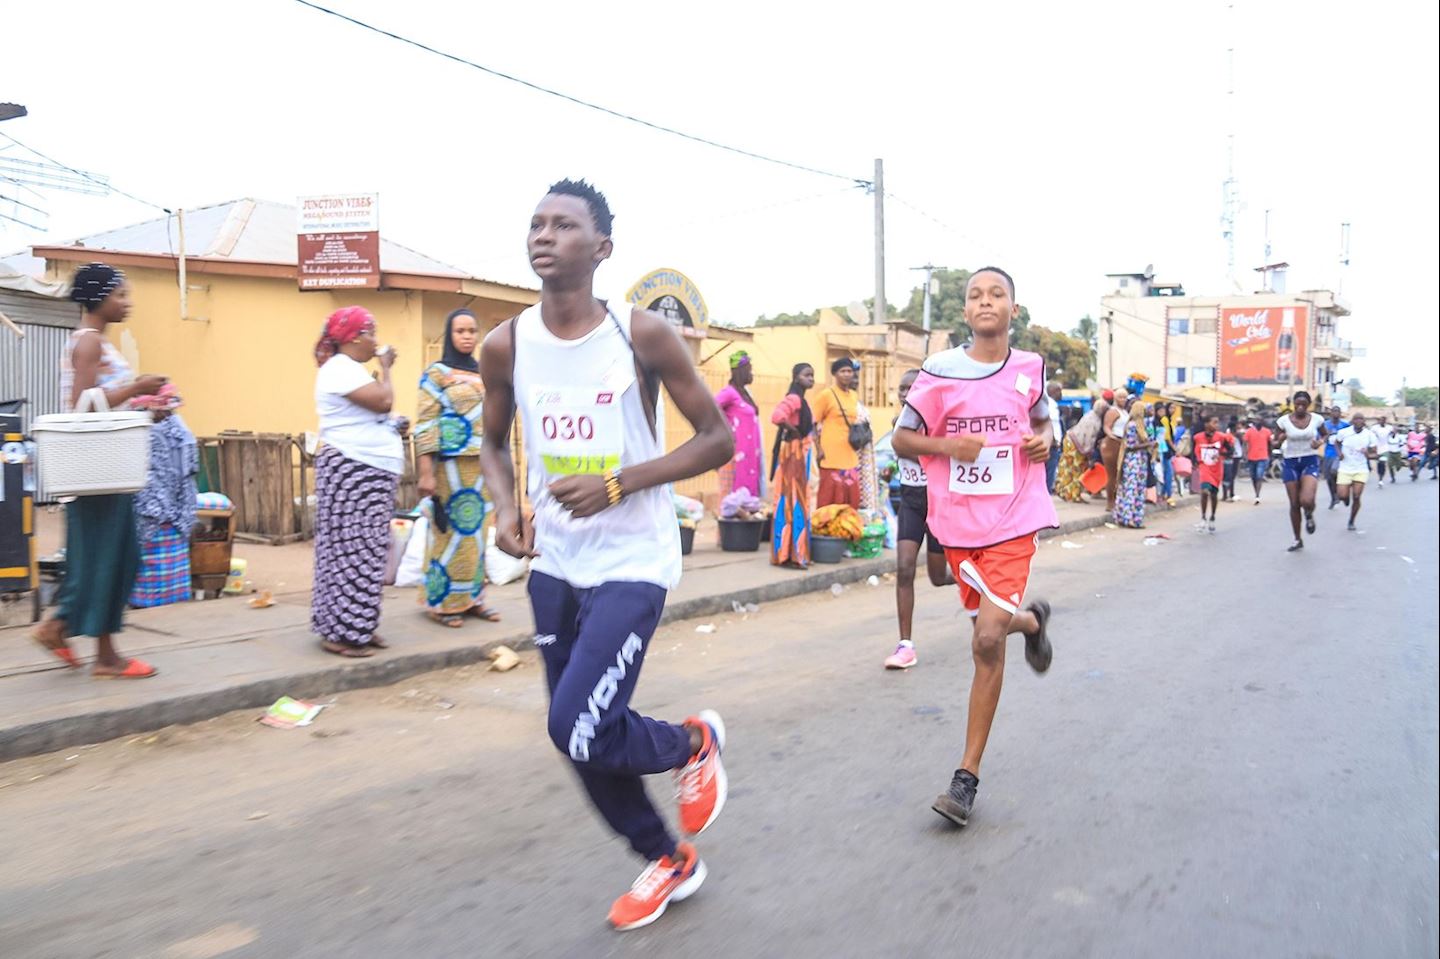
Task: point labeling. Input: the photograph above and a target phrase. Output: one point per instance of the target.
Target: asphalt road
(1235, 754)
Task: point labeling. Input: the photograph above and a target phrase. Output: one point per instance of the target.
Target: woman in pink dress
(735, 402)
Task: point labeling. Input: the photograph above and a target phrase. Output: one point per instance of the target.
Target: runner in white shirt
(1357, 447)
(1395, 452)
(1382, 431)
(1301, 435)
(584, 374)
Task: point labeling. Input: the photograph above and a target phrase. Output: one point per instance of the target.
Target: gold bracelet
(612, 487)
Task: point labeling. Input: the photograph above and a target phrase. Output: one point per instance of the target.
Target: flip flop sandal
(134, 669)
(62, 652)
(346, 650)
(449, 620)
(485, 613)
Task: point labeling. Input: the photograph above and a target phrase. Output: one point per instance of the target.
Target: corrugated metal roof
(257, 231)
(17, 280)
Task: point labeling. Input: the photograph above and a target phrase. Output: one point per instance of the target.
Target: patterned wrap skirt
(1130, 500)
(1073, 465)
(455, 559)
(164, 569)
(791, 539)
(353, 505)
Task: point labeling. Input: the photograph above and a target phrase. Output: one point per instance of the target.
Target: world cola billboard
(1263, 345)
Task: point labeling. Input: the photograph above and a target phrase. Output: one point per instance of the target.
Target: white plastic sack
(500, 566)
(411, 571)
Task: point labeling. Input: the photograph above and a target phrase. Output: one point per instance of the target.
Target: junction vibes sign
(339, 242)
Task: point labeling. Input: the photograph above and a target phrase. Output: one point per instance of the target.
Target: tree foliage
(1358, 396)
(1423, 398)
(790, 319)
(1067, 358)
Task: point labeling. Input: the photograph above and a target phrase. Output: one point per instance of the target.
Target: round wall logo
(671, 294)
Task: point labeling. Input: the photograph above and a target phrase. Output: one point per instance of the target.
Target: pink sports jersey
(1001, 495)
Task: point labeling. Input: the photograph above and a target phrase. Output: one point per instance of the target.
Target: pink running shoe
(902, 658)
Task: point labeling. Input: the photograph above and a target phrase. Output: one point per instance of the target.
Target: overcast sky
(1063, 141)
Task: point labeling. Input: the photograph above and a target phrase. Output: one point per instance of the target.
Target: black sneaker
(956, 802)
(1310, 523)
(1037, 648)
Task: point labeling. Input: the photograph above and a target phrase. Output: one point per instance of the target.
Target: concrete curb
(44, 736)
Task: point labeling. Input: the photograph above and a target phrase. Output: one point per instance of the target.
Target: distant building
(1262, 345)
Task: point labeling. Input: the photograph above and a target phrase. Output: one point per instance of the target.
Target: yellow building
(884, 350)
(242, 353)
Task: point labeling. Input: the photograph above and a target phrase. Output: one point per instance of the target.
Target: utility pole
(879, 314)
(1110, 352)
(929, 269)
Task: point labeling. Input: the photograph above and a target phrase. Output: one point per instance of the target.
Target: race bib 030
(579, 430)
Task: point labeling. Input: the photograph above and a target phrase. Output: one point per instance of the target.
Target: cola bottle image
(1285, 347)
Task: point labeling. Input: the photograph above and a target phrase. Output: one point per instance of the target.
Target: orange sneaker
(700, 784)
(664, 881)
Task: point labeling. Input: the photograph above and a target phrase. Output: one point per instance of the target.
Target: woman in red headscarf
(357, 470)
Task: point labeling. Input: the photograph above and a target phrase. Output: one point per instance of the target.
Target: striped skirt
(164, 569)
(353, 505)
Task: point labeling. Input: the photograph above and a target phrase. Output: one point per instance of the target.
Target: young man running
(1415, 451)
(1257, 454)
(584, 373)
(976, 420)
(1301, 435)
(1357, 447)
(1394, 451)
(1330, 465)
(1212, 450)
(1382, 432)
(914, 504)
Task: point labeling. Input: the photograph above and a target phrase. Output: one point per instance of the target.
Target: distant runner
(1302, 435)
(1212, 449)
(914, 533)
(1358, 447)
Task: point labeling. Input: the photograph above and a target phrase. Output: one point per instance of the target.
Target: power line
(942, 224)
(104, 183)
(579, 102)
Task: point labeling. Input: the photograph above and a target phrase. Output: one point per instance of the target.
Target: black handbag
(860, 433)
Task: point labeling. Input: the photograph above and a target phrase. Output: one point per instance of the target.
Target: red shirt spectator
(1257, 443)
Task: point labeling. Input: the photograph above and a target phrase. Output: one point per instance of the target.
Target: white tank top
(581, 410)
(1297, 441)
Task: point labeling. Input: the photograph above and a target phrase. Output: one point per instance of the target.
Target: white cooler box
(92, 453)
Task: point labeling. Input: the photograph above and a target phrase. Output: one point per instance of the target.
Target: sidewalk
(220, 655)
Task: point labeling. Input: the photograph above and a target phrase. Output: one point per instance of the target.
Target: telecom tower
(1230, 193)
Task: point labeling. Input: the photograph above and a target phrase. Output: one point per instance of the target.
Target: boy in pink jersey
(977, 420)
